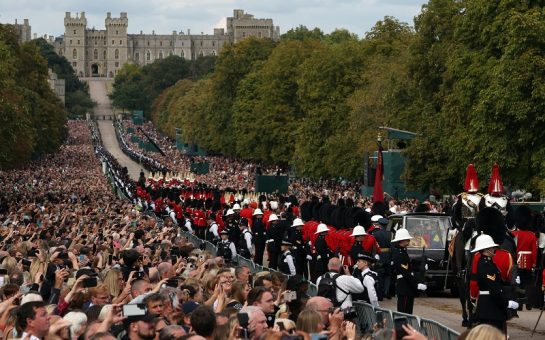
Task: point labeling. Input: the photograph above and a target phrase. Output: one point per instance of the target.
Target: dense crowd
(77, 262)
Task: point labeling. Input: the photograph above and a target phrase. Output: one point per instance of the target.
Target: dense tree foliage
(32, 119)
(136, 87)
(77, 100)
(468, 79)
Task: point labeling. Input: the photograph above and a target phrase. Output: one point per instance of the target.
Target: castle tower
(116, 41)
(74, 42)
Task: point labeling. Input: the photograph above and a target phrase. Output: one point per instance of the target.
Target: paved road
(98, 91)
(447, 311)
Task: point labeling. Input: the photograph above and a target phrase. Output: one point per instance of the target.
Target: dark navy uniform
(299, 250)
(491, 303)
(274, 239)
(259, 238)
(323, 254)
(406, 283)
(383, 267)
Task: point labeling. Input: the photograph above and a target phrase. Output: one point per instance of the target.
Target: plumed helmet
(491, 222)
(495, 186)
(471, 183)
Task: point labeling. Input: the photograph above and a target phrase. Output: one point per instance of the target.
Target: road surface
(99, 93)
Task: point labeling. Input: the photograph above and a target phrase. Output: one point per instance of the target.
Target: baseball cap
(189, 307)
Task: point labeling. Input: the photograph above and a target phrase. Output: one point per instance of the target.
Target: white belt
(522, 252)
(484, 292)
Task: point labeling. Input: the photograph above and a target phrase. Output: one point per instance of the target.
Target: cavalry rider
(492, 303)
(406, 284)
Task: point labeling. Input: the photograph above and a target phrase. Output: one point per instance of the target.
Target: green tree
(303, 33)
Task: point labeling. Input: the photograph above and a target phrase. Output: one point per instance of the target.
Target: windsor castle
(101, 53)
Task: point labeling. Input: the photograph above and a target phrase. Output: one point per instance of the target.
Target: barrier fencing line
(433, 330)
(366, 318)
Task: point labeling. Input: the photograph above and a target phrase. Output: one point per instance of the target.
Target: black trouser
(405, 304)
(273, 258)
(200, 231)
(527, 282)
(259, 250)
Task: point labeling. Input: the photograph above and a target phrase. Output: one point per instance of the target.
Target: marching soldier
(231, 225)
(299, 248)
(286, 264)
(259, 236)
(226, 248)
(492, 303)
(274, 240)
(364, 243)
(406, 284)
(383, 267)
(323, 254)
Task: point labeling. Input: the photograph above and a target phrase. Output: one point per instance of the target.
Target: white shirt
(369, 283)
(289, 261)
(214, 229)
(188, 225)
(31, 337)
(347, 283)
(248, 238)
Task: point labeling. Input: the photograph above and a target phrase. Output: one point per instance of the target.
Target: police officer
(274, 240)
(406, 284)
(259, 236)
(323, 254)
(368, 278)
(226, 248)
(245, 242)
(286, 264)
(491, 304)
(383, 267)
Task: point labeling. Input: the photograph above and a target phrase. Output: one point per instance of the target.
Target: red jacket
(526, 249)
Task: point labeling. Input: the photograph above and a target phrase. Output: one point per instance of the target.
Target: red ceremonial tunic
(503, 260)
(526, 249)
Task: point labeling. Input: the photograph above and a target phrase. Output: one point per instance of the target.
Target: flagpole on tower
(378, 193)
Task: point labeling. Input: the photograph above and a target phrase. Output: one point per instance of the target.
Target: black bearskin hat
(306, 211)
(523, 217)
(421, 208)
(491, 222)
(379, 208)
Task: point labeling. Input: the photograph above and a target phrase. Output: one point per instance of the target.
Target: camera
(243, 322)
(139, 275)
(350, 313)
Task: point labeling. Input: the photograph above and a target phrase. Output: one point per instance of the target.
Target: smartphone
(174, 259)
(90, 282)
(243, 321)
(380, 319)
(398, 323)
(135, 309)
(110, 259)
(139, 275)
(281, 326)
(32, 252)
(291, 296)
(4, 271)
(25, 262)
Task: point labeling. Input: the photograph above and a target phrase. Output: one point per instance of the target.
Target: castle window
(148, 43)
(213, 52)
(104, 55)
(74, 54)
(160, 43)
(136, 56)
(148, 56)
(259, 34)
(213, 43)
(201, 53)
(116, 32)
(95, 54)
(75, 32)
(78, 42)
(136, 43)
(201, 42)
(104, 42)
(95, 42)
(113, 42)
(171, 43)
(182, 54)
(182, 43)
(117, 64)
(70, 41)
(244, 34)
(116, 53)
(161, 55)
(120, 42)
(74, 64)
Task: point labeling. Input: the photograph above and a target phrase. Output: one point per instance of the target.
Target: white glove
(377, 256)
(422, 286)
(309, 257)
(513, 305)
(517, 280)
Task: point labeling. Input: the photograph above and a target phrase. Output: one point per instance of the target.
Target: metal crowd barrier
(433, 330)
